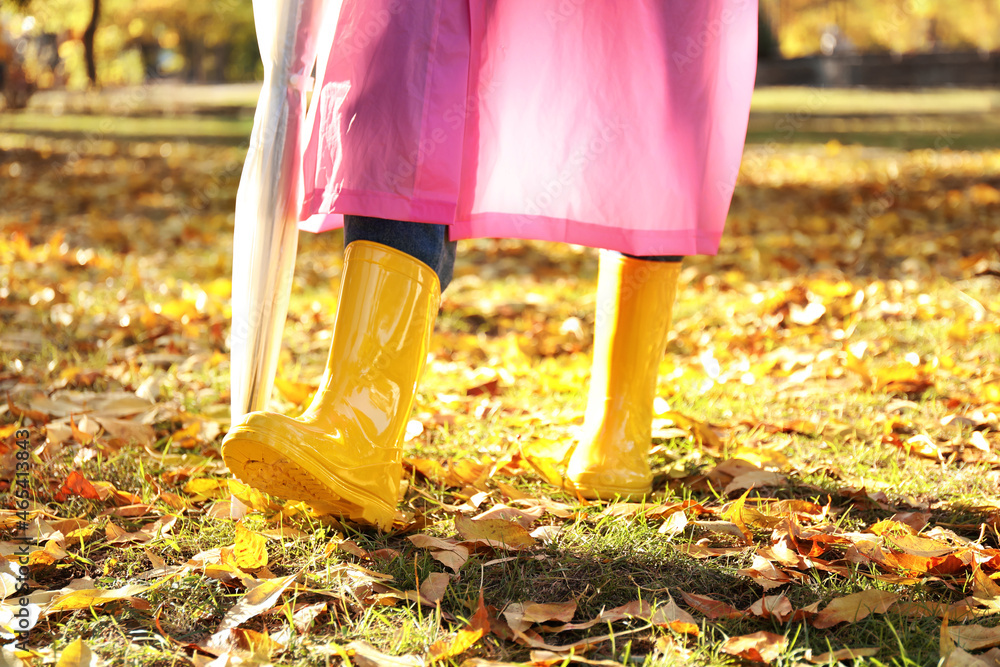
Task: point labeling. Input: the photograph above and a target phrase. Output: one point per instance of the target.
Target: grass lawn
(825, 447)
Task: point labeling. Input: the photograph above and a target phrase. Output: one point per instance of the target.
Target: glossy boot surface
(344, 453)
(634, 304)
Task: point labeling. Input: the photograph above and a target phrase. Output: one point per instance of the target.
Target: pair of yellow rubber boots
(344, 453)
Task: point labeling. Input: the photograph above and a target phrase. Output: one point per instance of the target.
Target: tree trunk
(88, 42)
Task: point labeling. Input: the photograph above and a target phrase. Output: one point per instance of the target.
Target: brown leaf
(698, 551)
(759, 647)
(453, 560)
(959, 611)
(495, 532)
(523, 517)
(959, 658)
(701, 432)
(522, 615)
(147, 533)
(743, 516)
(973, 637)
(126, 431)
(350, 547)
(984, 589)
(433, 587)
(430, 469)
(842, 654)
(671, 616)
(777, 607)
(853, 608)
(304, 615)
(77, 485)
(21, 413)
(361, 654)
(754, 479)
(711, 609)
(451, 554)
(465, 639)
(765, 573)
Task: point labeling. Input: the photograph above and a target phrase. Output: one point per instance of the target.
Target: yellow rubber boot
(344, 453)
(634, 304)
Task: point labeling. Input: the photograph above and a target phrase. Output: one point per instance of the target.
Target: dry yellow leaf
(77, 654)
(496, 532)
(250, 551)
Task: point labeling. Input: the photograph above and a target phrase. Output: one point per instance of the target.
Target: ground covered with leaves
(826, 446)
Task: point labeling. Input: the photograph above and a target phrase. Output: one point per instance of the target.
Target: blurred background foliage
(135, 40)
(810, 27)
(213, 41)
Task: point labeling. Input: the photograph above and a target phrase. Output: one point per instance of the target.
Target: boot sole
(251, 456)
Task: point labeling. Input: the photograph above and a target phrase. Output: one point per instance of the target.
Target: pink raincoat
(609, 124)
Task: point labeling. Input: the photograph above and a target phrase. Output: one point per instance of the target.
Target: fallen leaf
(147, 533)
(77, 485)
(91, 597)
(250, 550)
(699, 551)
(710, 608)
(77, 654)
(755, 479)
(303, 617)
(777, 607)
(759, 647)
(523, 517)
(765, 573)
(450, 554)
(671, 616)
(973, 637)
(258, 599)
(522, 615)
(842, 654)
(701, 432)
(495, 532)
(361, 654)
(433, 587)
(466, 638)
(853, 608)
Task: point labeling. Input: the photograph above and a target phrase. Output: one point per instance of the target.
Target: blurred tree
(767, 40)
(88, 34)
(901, 26)
(125, 41)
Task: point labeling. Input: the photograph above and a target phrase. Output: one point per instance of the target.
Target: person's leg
(635, 297)
(344, 453)
(657, 258)
(424, 241)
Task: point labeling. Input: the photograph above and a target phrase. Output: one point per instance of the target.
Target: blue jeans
(425, 241)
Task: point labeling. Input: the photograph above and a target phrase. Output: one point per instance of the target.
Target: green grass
(933, 118)
(860, 101)
(202, 129)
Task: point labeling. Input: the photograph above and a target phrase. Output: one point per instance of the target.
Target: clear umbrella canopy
(266, 234)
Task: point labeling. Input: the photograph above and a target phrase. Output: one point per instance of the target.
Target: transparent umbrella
(266, 235)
